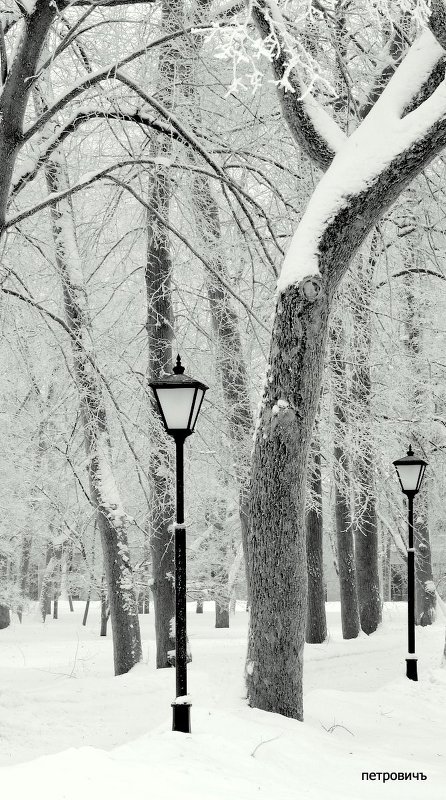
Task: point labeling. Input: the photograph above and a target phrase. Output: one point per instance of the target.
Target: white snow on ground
(69, 730)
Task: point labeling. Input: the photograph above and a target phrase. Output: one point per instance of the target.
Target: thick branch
(314, 130)
(14, 96)
(437, 21)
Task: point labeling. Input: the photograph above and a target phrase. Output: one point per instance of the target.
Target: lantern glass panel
(176, 404)
(420, 479)
(198, 400)
(409, 475)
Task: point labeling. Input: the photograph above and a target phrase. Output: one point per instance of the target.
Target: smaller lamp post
(410, 471)
(179, 400)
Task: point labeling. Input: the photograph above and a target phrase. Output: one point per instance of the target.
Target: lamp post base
(181, 717)
(411, 669)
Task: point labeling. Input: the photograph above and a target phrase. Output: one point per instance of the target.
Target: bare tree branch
(192, 249)
(106, 73)
(300, 109)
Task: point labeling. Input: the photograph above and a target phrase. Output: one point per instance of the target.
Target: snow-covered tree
(365, 172)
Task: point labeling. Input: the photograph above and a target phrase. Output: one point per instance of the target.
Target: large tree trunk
(365, 518)
(316, 626)
(343, 518)
(276, 538)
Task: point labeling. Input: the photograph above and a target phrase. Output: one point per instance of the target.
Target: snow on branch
(381, 138)
(314, 129)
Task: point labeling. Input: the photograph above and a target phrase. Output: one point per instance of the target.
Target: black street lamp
(410, 471)
(179, 400)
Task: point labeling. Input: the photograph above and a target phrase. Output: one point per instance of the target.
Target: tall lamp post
(179, 400)
(410, 471)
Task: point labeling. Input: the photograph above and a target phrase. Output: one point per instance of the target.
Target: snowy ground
(69, 730)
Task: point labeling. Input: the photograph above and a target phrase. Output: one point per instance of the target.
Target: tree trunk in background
(104, 495)
(216, 517)
(5, 619)
(159, 325)
(27, 536)
(47, 588)
(230, 360)
(416, 307)
(199, 607)
(365, 526)
(425, 599)
(69, 571)
(386, 568)
(316, 627)
(344, 530)
(276, 536)
(222, 613)
(104, 610)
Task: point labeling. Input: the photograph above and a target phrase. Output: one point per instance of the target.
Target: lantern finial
(178, 369)
(410, 451)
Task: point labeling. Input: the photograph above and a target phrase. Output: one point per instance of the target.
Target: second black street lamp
(410, 471)
(179, 400)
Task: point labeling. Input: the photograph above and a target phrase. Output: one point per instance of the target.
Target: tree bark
(53, 557)
(5, 618)
(86, 610)
(344, 527)
(111, 518)
(316, 626)
(230, 360)
(159, 325)
(276, 537)
(365, 525)
(27, 536)
(105, 612)
(425, 598)
(222, 613)
(415, 305)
